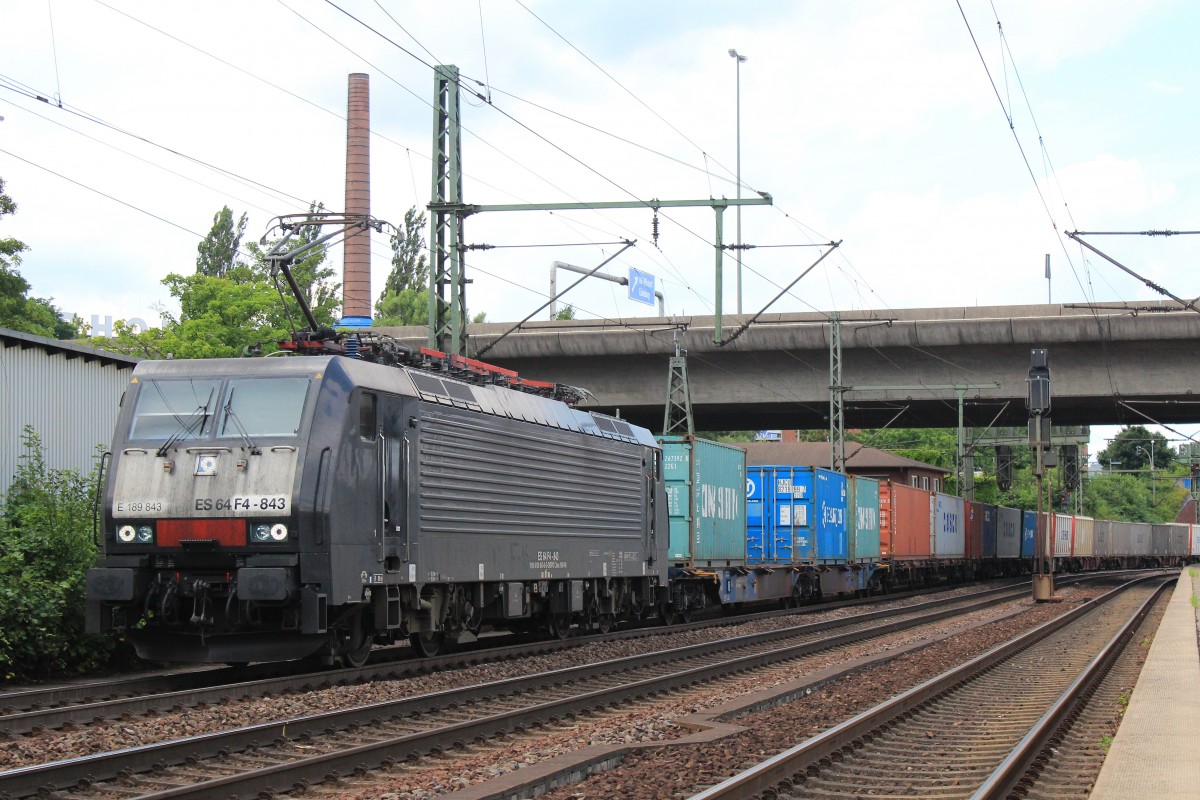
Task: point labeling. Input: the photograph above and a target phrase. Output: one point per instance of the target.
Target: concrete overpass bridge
(1112, 364)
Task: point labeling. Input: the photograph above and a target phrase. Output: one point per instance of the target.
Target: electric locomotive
(275, 508)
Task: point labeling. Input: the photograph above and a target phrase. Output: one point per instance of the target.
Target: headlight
(126, 533)
(261, 533)
(145, 534)
(279, 532)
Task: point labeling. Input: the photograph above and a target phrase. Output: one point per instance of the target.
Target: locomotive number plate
(250, 503)
(134, 508)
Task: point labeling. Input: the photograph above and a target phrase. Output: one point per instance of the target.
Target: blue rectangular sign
(641, 286)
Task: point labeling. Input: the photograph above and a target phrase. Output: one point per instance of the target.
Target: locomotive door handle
(381, 521)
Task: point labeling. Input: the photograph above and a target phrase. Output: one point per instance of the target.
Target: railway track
(86, 703)
(979, 730)
(279, 756)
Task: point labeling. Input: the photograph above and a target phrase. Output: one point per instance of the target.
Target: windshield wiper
(187, 425)
(232, 416)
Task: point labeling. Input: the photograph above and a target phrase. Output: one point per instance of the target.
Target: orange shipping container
(905, 521)
(974, 530)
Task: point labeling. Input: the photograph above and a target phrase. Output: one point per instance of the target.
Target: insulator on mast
(654, 228)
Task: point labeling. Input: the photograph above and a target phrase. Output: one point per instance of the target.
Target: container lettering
(719, 502)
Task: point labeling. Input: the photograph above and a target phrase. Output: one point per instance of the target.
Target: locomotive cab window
(263, 407)
(366, 416)
(180, 409)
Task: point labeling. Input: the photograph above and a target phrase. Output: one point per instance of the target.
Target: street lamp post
(739, 58)
(1150, 454)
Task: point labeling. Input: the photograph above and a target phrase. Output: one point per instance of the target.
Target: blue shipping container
(830, 504)
(990, 524)
(1028, 531)
(779, 514)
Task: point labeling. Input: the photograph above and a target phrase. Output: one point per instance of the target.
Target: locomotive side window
(366, 416)
(182, 409)
(262, 407)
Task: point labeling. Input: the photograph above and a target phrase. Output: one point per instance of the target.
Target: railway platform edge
(1156, 752)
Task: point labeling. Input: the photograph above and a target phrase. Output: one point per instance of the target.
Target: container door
(756, 508)
(677, 479)
(790, 496)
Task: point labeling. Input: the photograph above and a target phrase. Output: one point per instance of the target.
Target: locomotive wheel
(357, 646)
(427, 643)
(356, 654)
(559, 625)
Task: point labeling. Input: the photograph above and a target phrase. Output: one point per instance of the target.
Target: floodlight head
(735, 54)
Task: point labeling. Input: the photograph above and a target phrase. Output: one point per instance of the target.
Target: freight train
(277, 508)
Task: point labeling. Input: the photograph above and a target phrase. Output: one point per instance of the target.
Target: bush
(46, 548)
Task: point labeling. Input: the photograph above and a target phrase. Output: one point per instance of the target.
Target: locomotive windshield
(262, 407)
(178, 409)
(181, 410)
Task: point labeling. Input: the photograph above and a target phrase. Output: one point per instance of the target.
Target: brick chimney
(356, 280)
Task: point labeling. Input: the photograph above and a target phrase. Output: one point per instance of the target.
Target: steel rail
(59, 775)
(75, 704)
(761, 777)
(1013, 769)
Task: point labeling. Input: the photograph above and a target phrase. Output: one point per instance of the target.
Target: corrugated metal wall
(72, 403)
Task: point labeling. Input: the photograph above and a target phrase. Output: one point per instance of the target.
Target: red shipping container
(974, 530)
(905, 521)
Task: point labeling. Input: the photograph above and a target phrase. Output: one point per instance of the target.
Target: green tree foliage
(567, 312)
(217, 253)
(46, 549)
(19, 311)
(935, 446)
(222, 315)
(10, 249)
(1131, 449)
(405, 296)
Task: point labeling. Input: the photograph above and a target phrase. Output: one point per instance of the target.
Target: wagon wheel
(685, 614)
(427, 643)
(606, 623)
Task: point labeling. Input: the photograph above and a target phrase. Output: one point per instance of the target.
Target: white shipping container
(949, 530)
(1195, 541)
(1008, 532)
(1085, 542)
(1063, 528)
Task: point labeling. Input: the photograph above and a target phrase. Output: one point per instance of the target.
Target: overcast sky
(871, 123)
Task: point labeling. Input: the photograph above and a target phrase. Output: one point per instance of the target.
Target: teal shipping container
(864, 520)
(706, 501)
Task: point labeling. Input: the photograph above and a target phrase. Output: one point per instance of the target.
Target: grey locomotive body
(265, 509)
